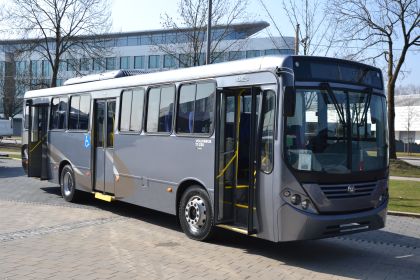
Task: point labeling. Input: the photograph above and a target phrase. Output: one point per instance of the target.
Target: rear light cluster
(299, 201)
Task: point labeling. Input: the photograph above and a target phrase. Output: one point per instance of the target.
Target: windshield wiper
(339, 108)
(363, 119)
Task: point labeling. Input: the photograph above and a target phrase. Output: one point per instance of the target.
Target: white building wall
(407, 118)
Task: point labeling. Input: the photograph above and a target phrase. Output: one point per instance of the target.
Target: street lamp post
(209, 32)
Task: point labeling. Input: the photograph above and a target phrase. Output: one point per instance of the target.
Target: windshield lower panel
(337, 132)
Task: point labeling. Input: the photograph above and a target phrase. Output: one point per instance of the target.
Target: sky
(136, 15)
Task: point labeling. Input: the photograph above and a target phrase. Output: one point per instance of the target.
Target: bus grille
(348, 191)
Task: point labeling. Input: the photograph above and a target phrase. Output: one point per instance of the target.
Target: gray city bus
(282, 148)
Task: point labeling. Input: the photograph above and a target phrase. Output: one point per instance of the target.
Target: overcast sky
(133, 15)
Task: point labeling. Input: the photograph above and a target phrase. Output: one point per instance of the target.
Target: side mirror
(289, 101)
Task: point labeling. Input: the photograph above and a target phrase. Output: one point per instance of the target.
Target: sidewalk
(414, 179)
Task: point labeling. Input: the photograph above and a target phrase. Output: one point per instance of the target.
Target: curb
(404, 214)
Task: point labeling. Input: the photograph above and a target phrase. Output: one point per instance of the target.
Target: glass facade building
(147, 50)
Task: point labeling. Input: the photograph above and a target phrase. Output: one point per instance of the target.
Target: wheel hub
(196, 213)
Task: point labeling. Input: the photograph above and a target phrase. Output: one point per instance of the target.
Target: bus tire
(196, 214)
(68, 184)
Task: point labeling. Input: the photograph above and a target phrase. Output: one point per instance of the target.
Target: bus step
(104, 197)
(235, 229)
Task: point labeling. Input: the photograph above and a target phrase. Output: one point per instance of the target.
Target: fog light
(305, 204)
(295, 199)
(286, 193)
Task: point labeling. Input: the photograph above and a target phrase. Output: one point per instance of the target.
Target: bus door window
(99, 125)
(110, 124)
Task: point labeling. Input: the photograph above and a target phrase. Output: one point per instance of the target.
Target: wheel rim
(195, 213)
(67, 183)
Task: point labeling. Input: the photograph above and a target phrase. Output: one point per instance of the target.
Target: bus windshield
(336, 131)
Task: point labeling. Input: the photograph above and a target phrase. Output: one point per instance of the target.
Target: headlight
(295, 199)
(298, 200)
(305, 204)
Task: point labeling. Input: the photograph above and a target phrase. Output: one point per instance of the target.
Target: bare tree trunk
(297, 40)
(391, 120)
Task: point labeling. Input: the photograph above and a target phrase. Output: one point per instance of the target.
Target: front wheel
(196, 214)
(68, 184)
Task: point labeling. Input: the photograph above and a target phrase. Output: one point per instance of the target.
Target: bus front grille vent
(348, 190)
(346, 228)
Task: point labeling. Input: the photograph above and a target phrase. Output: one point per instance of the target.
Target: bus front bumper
(295, 224)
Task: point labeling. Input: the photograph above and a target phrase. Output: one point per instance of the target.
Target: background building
(143, 50)
(407, 119)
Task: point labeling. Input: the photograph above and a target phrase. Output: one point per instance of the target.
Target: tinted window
(185, 116)
(195, 108)
(124, 62)
(58, 113)
(137, 110)
(154, 61)
(85, 64)
(132, 110)
(331, 70)
(110, 63)
(160, 109)
(74, 112)
(139, 62)
(267, 141)
(125, 110)
(54, 113)
(169, 61)
(253, 53)
(166, 109)
(79, 112)
(110, 124)
(84, 112)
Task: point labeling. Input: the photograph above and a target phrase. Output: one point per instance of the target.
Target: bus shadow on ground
(150, 216)
(347, 256)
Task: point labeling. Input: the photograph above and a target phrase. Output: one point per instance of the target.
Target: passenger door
(104, 127)
(238, 142)
(37, 141)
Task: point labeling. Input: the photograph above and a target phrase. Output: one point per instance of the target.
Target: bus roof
(266, 63)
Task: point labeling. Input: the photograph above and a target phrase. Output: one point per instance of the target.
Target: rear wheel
(68, 184)
(196, 214)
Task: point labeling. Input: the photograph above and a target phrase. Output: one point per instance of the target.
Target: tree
(187, 42)
(381, 29)
(311, 23)
(57, 29)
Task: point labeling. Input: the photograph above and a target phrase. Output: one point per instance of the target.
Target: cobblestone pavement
(43, 237)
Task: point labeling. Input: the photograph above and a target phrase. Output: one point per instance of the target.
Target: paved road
(41, 236)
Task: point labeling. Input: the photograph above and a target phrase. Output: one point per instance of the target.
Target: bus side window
(195, 108)
(58, 118)
(79, 112)
(160, 103)
(131, 116)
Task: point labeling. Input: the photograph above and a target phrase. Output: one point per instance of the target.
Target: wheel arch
(60, 168)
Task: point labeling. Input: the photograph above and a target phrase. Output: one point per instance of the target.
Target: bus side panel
(71, 147)
(148, 165)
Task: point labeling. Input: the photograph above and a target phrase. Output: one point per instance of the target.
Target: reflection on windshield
(337, 132)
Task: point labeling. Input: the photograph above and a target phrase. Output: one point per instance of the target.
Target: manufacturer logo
(242, 79)
(351, 189)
